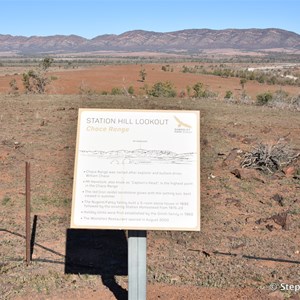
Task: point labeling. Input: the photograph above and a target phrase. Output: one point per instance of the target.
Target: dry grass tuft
(269, 158)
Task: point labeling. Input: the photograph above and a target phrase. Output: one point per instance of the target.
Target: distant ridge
(189, 40)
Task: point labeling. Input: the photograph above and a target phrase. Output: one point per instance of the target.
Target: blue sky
(89, 18)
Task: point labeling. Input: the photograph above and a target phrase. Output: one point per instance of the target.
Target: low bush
(201, 92)
(131, 90)
(162, 89)
(264, 98)
(116, 91)
(228, 95)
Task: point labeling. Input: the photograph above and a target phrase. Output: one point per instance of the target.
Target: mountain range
(189, 40)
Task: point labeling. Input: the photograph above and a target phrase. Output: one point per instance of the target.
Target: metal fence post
(27, 213)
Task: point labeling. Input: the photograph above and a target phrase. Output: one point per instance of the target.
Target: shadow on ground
(98, 252)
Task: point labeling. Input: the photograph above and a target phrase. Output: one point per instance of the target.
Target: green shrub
(228, 95)
(264, 98)
(162, 89)
(116, 91)
(188, 90)
(201, 92)
(198, 90)
(131, 90)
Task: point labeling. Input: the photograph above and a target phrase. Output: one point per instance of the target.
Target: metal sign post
(137, 265)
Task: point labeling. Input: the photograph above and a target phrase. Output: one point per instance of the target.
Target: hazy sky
(90, 18)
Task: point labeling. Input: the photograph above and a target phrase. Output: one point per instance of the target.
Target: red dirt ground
(103, 78)
(240, 249)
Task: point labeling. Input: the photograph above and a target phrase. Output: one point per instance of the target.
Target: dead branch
(269, 158)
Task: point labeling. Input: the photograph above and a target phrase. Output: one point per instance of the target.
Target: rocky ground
(250, 221)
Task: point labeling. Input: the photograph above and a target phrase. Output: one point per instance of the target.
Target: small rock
(232, 135)
(175, 279)
(289, 171)
(232, 155)
(17, 145)
(247, 140)
(236, 173)
(259, 179)
(266, 130)
(279, 199)
(237, 246)
(281, 219)
(251, 174)
(270, 227)
(258, 222)
(235, 202)
(273, 273)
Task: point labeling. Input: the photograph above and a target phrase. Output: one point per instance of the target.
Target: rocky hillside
(191, 40)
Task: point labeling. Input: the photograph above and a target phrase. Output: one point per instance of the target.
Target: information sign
(137, 170)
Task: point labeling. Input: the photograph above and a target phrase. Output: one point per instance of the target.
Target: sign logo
(182, 127)
(181, 124)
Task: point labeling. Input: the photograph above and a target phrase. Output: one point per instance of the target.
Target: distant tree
(14, 87)
(143, 74)
(46, 63)
(261, 78)
(188, 90)
(243, 82)
(35, 81)
(167, 68)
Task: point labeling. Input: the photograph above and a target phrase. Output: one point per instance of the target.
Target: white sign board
(137, 169)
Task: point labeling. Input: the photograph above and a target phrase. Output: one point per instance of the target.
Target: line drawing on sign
(142, 156)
